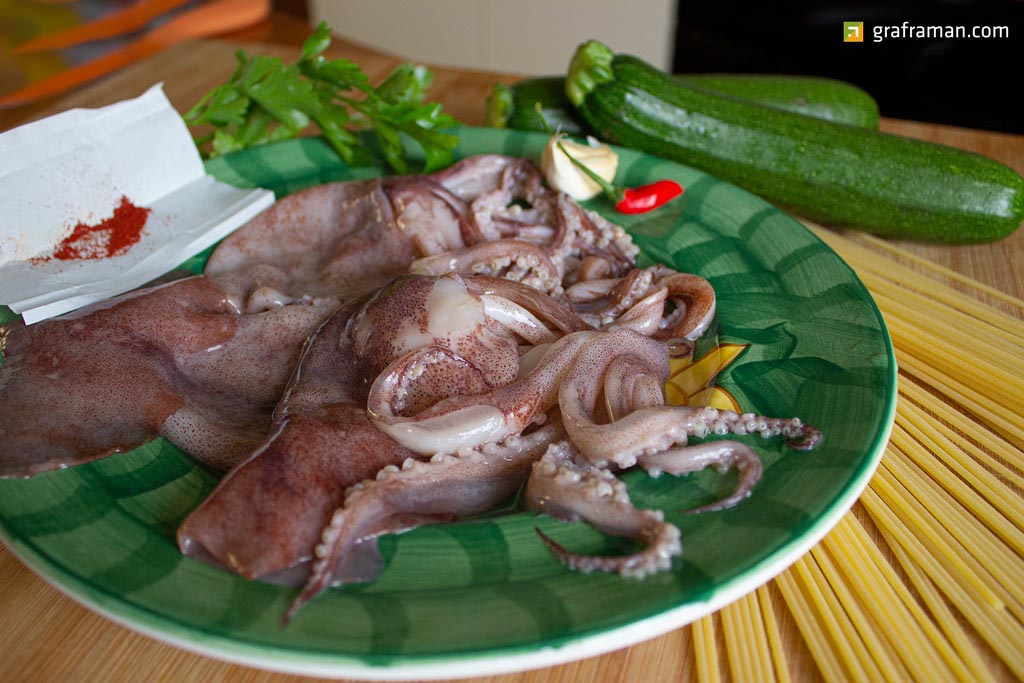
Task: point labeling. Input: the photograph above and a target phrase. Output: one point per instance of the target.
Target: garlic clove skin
(565, 176)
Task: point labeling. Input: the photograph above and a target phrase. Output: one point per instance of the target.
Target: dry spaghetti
(921, 580)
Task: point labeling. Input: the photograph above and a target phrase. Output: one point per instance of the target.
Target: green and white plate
(484, 596)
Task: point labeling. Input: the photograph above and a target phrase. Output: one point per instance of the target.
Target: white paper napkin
(74, 168)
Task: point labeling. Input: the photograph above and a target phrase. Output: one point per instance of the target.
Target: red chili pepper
(631, 200)
(647, 197)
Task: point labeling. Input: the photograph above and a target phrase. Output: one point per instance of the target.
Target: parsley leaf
(266, 100)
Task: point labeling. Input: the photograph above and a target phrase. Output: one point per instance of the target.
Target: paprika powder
(111, 237)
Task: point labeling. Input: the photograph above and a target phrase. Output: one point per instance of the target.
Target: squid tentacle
(465, 420)
(798, 436)
(723, 455)
(606, 300)
(511, 259)
(649, 428)
(593, 268)
(630, 386)
(474, 420)
(566, 488)
(518, 319)
(637, 300)
(610, 442)
(584, 234)
(494, 207)
(645, 316)
(432, 218)
(695, 300)
(554, 315)
(423, 492)
(479, 175)
(390, 395)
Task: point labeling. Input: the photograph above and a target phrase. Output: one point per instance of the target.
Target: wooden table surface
(45, 636)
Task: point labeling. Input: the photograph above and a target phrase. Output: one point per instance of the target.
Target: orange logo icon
(853, 31)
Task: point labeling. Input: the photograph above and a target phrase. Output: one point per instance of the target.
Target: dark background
(971, 82)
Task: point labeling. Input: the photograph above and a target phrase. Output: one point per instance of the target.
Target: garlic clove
(565, 176)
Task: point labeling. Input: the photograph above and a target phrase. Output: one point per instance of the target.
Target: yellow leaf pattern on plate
(691, 383)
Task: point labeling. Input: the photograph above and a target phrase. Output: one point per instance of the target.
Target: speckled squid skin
(173, 361)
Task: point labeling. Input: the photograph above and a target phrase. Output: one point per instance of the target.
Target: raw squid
(372, 356)
(175, 361)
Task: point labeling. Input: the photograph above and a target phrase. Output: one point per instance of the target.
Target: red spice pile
(112, 237)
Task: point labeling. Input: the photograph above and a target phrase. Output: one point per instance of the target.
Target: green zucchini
(513, 106)
(826, 171)
(822, 98)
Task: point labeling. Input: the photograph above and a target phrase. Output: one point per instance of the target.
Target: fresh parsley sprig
(265, 100)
